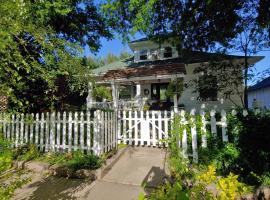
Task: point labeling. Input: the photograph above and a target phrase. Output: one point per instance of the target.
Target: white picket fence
(150, 128)
(62, 131)
(101, 131)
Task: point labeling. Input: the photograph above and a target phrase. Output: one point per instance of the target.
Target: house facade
(259, 94)
(142, 81)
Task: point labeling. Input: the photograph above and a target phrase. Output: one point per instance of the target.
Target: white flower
(245, 113)
(234, 112)
(221, 100)
(203, 106)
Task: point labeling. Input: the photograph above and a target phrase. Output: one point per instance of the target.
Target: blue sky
(116, 46)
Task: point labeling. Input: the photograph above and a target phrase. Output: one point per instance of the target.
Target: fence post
(97, 146)
(213, 123)
(224, 126)
(203, 129)
(194, 136)
(183, 122)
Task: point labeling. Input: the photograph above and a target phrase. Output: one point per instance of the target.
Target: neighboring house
(259, 94)
(145, 78)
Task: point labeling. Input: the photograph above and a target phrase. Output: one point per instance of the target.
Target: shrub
(252, 138)
(84, 161)
(26, 152)
(5, 155)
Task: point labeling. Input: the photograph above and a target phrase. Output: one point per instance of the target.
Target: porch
(140, 88)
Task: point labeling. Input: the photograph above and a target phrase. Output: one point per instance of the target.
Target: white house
(260, 93)
(145, 77)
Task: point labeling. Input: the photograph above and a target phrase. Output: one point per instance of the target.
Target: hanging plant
(175, 87)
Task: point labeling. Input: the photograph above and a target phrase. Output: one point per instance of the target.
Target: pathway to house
(138, 170)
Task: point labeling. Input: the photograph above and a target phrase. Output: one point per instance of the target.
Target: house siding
(261, 95)
(190, 98)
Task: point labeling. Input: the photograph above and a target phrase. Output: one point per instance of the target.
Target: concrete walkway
(138, 170)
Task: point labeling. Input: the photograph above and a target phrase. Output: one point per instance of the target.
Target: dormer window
(168, 53)
(143, 55)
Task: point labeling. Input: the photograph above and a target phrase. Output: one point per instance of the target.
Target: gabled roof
(186, 57)
(263, 84)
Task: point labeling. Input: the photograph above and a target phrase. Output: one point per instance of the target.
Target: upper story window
(168, 53)
(143, 55)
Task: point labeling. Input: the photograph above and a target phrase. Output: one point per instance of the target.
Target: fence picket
(203, 129)
(31, 121)
(224, 126)
(213, 123)
(124, 127)
(194, 136)
(69, 131)
(88, 131)
(52, 132)
(64, 137)
(82, 130)
(76, 131)
(154, 137)
(136, 139)
(184, 136)
(42, 132)
(47, 132)
(21, 129)
(159, 128)
(36, 121)
(58, 126)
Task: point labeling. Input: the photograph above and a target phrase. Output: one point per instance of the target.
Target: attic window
(167, 52)
(143, 55)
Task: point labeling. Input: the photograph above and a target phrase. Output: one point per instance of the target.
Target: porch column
(89, 98)
(115, 94)
(175, 100)
(175, 103)
(138, 90)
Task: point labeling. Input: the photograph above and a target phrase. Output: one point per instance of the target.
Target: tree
(40, 41)
(193, 24)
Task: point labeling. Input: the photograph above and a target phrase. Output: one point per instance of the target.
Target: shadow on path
(53, 188)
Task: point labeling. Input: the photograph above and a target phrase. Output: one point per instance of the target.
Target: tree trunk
(245, 82)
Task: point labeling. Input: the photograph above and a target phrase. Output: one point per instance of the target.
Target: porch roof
(146, 71)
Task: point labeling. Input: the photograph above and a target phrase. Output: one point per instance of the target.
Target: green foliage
(158, 18)
(6, 191)
(84, 161)
(40, 41)
(101, 92)
(75, 160)
(5, 155)
(26, 152)
(175, 87)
